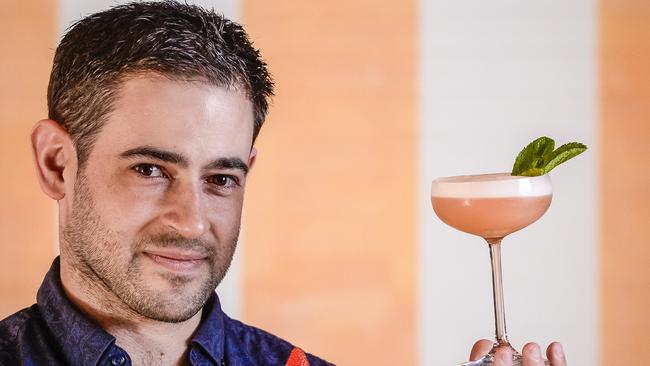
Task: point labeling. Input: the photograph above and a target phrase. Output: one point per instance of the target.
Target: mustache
(199, 246)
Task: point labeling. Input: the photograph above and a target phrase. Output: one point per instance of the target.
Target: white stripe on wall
(71, 10)
(494, 76)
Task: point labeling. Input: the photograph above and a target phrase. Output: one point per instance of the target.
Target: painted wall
(332, 213)
(341, 252)
(624, 199)
(26, 215)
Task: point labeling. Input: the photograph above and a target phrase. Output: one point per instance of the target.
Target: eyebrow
(228, 163)
(179, 159)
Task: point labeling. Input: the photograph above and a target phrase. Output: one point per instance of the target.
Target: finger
(503, 357)
(480, 348)
(555, 354)
(532, 355)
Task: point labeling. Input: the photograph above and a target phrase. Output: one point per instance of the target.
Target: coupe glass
(492, 206)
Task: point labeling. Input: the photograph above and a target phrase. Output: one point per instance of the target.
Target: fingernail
(558, 351)
(535, 353)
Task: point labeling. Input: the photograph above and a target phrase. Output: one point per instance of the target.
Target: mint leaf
(532, 156)
(562, 154)
(539, 158)
(532, 172)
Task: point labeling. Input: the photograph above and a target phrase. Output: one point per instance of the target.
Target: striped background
(341, 253)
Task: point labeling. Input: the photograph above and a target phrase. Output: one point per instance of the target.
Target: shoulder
(11, 330)
(12, 326)
(24, 340)
(260, 346)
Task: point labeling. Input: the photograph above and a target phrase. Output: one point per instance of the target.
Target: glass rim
(491, 185)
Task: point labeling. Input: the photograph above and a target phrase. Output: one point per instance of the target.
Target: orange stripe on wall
(625, 206)
(26, 223)
(329, 259)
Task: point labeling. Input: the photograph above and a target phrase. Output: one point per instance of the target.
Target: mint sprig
(539, 157)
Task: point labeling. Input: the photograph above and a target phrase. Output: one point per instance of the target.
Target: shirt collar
(210, 335)
(83, 341)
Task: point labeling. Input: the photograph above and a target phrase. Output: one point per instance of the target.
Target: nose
(184, 211)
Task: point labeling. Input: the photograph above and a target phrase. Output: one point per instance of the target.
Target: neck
(147, 341)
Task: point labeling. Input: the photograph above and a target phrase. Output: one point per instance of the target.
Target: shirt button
(118, 360)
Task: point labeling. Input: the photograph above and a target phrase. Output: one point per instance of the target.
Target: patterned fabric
(54, 332)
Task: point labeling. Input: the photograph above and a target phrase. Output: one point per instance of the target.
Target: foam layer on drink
(491, 186)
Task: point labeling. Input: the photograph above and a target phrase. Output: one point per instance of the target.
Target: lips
(176, 260)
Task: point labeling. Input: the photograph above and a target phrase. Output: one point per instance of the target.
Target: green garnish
(539, 158)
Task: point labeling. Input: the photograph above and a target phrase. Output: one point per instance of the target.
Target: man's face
(157, 207)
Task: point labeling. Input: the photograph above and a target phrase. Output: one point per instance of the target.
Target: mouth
(176, 261)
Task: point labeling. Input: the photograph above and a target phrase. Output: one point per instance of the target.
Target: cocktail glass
(492, 206)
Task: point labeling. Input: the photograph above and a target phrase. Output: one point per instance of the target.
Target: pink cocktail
(492, 206)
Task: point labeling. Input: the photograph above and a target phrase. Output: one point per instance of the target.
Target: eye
(149, 170)
(223, 181)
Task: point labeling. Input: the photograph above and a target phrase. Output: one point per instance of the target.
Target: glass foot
(488, 359)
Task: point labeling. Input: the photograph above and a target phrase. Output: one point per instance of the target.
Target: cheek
(225, 217)
(125, 207)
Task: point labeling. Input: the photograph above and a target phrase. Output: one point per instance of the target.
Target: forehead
(193, 118)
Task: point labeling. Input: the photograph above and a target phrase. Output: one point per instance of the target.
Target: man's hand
(532, 354)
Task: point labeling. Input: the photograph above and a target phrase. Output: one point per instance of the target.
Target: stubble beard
(108, 268)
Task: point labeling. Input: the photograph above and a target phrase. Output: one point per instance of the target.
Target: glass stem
(497, 288)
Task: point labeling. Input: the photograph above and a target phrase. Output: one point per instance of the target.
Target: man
(154, 109)
(153, 112)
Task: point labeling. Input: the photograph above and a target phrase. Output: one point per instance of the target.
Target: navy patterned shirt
(54, 332)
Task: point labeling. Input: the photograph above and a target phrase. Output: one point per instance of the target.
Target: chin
(172, 299)
(173, 314)
(169, 307)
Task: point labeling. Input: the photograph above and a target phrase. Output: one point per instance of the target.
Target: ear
(251, 158)
(53, 150)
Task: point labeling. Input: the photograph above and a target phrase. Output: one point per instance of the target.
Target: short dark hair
(168, 38)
